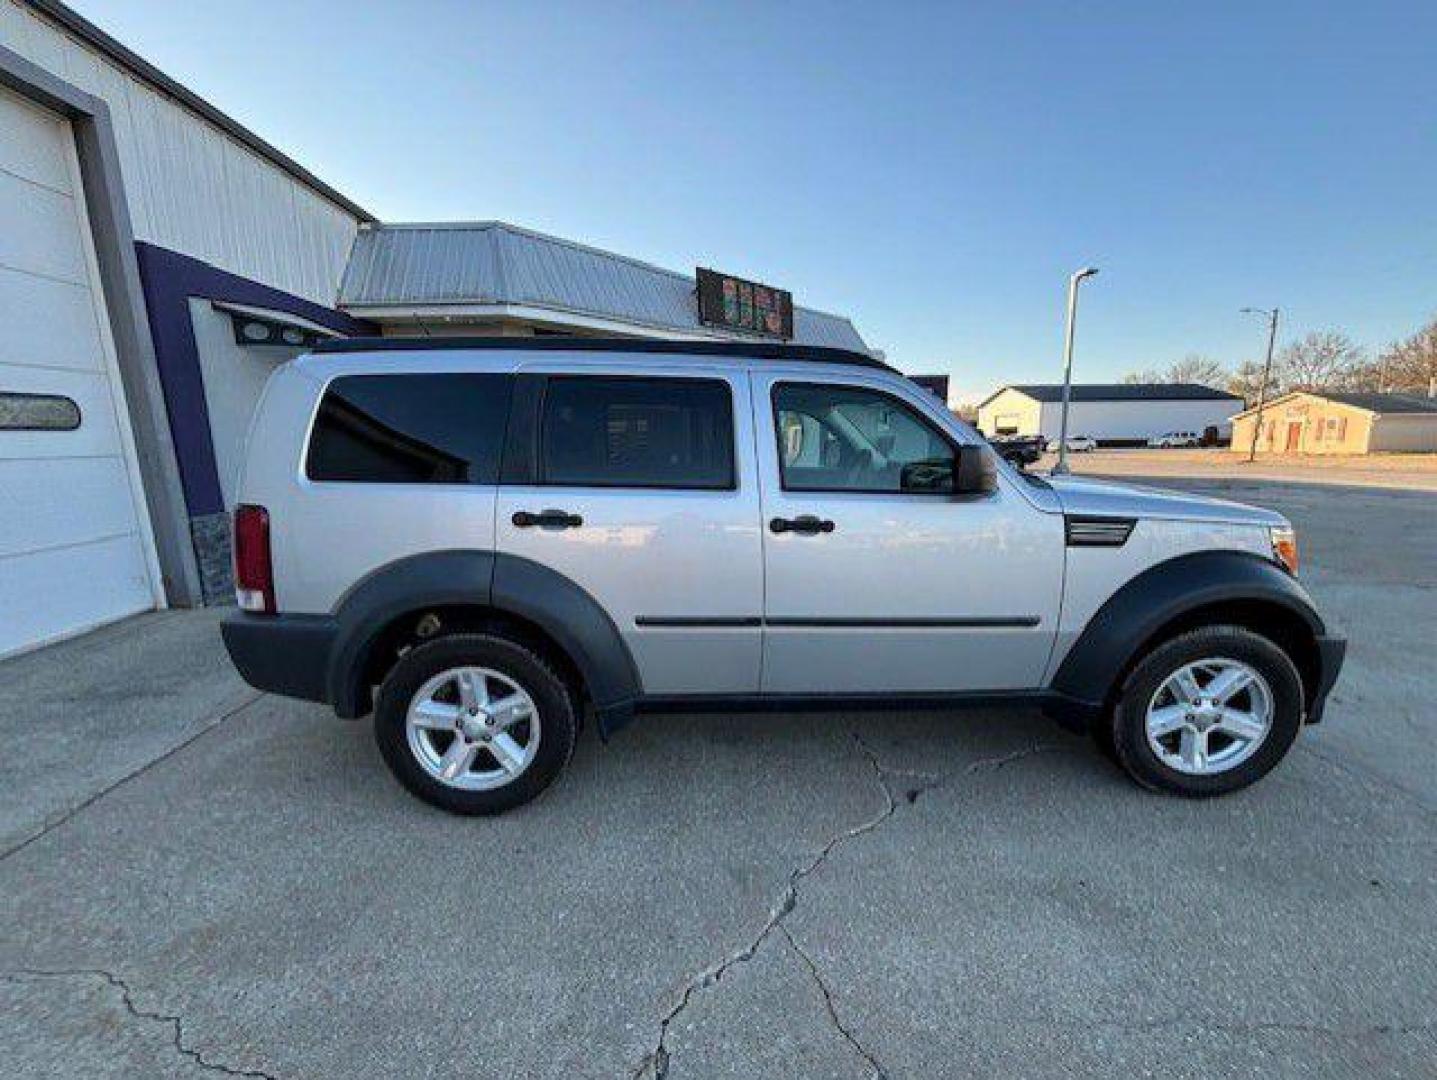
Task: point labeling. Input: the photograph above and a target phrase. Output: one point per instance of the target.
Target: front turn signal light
(1284, 547)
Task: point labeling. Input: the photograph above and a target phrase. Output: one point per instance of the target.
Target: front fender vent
(1084, 531)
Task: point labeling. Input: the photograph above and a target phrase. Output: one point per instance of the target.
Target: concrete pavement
(82, 715)
(818, 895)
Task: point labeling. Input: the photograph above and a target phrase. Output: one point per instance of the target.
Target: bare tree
(1192, 368)
(1323, 359)
(1196, 368)
(1410, 365)
(1370, 375)
(1247, 380)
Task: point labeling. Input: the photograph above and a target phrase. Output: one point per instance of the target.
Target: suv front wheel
(474, 723)
(1207, 712)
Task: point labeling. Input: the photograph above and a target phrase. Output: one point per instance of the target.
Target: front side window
(410, 429)
(848, 438)
(599, 431)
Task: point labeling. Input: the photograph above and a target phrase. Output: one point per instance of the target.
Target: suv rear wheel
(1207, 712)
(474, 723)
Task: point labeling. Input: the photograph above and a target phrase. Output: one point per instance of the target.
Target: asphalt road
(199, 881)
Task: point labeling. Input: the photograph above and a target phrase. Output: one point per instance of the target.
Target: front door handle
(807, 525)
(549, 519)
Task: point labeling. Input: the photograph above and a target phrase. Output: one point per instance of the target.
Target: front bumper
(1330, 653)
(282, 654)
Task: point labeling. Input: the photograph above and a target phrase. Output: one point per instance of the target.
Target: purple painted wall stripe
(169, 280)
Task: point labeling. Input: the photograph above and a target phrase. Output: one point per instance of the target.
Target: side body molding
(1158, 596)
(499, 582)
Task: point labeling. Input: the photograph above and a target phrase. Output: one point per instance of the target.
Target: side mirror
(931, 477)
(973, 471)
(968, 472)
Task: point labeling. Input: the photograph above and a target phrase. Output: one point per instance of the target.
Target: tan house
(1333, 422)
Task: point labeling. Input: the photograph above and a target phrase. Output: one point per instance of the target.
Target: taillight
(254, 574)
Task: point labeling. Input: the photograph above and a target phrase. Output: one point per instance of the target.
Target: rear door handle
(807, 525)
(548, 519)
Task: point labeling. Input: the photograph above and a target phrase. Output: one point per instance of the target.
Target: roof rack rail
(761, 350)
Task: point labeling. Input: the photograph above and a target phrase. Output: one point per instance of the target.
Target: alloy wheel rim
(1209, 716)
(473, 728)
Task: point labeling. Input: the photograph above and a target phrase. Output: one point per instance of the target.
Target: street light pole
(1266, 375)
(1061, 468)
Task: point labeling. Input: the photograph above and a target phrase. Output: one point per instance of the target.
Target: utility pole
(1061, 468)
(1266, 375)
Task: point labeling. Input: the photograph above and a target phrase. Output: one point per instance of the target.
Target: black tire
(552, 699)
(1129, 734)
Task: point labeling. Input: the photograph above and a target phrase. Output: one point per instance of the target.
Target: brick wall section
(211, 536)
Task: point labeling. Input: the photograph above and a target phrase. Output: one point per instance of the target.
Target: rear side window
(636, 432)
(410, 429)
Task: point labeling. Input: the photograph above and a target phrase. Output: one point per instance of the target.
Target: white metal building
(123, 197)
(157, 260)
(1115, 414)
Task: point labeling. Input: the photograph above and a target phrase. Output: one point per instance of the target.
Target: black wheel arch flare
(1190, 590)
(508, 584)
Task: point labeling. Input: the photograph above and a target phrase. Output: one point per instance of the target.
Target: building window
(1341, 428)
(37, 412)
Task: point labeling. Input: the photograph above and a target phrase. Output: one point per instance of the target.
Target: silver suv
(482, 541)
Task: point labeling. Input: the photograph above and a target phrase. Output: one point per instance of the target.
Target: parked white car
(1174, 439)
(482, 541)
(1076, 444)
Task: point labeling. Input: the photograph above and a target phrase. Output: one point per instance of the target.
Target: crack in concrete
(1321, 1030)
(875, 1070)
(66, 815)
(127, 998)
(933, 781)
(655, 1063)
(1237, 1026)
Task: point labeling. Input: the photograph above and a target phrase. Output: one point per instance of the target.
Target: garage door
(75, 546)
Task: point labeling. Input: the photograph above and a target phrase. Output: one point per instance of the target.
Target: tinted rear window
(410, 429)
(636, 432)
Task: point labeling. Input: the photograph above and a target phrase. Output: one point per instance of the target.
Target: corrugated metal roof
(491, 262)
(1385, 404)
(1390, 404)
(1121, 392)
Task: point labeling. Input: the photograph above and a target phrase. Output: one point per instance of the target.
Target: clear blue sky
(933, 171)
